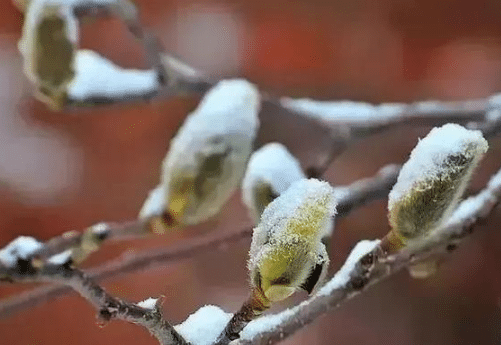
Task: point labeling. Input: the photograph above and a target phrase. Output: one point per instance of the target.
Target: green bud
(286, 252)
(432, 182)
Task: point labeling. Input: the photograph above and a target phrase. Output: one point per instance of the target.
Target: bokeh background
(63, 171)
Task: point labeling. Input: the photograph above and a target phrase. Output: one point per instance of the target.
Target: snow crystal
(222, 129)
(96, 76)
(61, 258)
(272, 165)
(204, 326)
(344, 111)
(342, 277)
(149, 303)
(267, 323)
(154, 204)
(428, 156)
(20, 248)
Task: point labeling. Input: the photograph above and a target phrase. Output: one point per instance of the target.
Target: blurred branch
(354, 195)
(369, 267)
(108, 306)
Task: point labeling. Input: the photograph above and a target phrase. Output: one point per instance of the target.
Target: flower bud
(48, 45)
(208, 155)
(286, 251)
(432, 181)
(270, 171)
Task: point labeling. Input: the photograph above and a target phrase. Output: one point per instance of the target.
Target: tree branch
(368, 264)
(108, 306)
(350, 197)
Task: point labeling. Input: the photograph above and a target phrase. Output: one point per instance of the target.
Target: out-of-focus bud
(208, 155)
(48, 45)
(271, 170)
(286, 251)
(430, 185)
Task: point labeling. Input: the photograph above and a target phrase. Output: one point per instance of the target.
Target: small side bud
(48, 45)
(432, 181)
(208, 155)
(286, 252)
(271, 170)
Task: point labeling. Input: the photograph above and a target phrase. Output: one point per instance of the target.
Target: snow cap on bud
(271, 170)
(208, 155)
(432, 181)
(48, 45)
(286, 251)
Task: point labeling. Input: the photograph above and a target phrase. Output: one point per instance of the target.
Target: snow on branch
(99, 80)
(145, 313)
(348, 197)
(367, 265)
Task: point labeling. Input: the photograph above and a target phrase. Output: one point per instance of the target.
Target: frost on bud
(431, 183)
(271, 170)
(286, 251)
(208, 155)
(48, 45)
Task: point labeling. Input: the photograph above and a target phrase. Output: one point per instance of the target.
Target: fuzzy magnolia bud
(432, 181)
(286, 251)
(48, 45)
(208, 155)
(271, 170)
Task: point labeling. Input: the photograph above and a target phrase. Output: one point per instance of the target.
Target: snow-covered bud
(48, 45)
(286, 251)
(270, 171)
(208, 155)
(431, 183)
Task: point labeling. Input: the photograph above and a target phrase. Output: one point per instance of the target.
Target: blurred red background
(62, 171)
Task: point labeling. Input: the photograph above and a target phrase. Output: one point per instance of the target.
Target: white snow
(96, 76)
(224, 124)
(204, 326)
(345, 111)
(472, 206)
(100, 228)
(428, 157)
(273, 165)
(301, 199)
(342, 277)
(149, 303)
(154, 204)
(20, 248)
(267, 323)
(61, 258)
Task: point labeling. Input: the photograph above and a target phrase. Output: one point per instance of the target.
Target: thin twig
(108, 307)
(373, 267)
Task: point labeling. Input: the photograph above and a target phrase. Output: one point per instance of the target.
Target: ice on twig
(344, 111)
(270, 171)
(204, 326)
(342, 277)
(149, 303)
(98, 77)
(22, 248)
(207, 157)
(61, 258)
